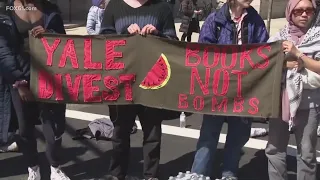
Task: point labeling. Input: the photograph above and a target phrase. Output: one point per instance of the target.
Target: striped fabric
(119, 16)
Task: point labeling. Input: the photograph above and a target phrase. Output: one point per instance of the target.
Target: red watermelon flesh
(158, 76)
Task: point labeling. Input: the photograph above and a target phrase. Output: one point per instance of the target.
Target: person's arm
(56, 25)
(290, 60)
(169, 29)
(309, 63)
(8, 63)
(108, 24)
(91, 21)
(275, 38)
(208, 31)
(261, 34)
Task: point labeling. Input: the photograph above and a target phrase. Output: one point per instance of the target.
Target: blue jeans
(238, 135)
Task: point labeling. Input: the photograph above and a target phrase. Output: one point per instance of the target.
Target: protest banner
(131, 69)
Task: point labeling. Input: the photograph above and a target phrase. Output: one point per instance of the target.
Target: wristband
(300, 55)
(18, 84)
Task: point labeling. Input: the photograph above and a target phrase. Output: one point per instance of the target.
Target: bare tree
(70, 11)
(269, 15)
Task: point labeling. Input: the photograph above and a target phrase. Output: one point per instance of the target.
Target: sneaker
(258, 132)
(229, 178)
(134, 129)
(34, 173)
(13, 147)
(58, 174)
(9, 148)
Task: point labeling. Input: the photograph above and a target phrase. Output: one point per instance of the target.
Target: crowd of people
(236, 22)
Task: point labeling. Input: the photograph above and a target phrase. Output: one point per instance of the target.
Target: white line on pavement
(177, 131)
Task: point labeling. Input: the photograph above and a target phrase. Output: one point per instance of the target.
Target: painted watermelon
(158, 76)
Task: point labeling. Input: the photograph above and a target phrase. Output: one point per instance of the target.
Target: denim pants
(238, 135)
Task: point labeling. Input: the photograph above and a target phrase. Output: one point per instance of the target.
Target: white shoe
(258, 132)
(34, 173)
(58, 174)
(13, 147)
(9, 148)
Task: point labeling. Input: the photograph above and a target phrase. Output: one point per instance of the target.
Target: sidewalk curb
(71, 26)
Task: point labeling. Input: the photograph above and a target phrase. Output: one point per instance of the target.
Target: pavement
(76, 24)
(87, 159)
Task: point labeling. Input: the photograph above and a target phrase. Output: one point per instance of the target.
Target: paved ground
(87, 159)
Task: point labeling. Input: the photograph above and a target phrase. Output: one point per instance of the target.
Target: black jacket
(170, 1)
(12, 66)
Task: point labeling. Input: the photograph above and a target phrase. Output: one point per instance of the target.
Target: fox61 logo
(20, 8)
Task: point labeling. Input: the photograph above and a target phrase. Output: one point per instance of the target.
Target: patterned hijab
(295, 31)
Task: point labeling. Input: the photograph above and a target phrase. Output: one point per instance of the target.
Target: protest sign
(131, 69)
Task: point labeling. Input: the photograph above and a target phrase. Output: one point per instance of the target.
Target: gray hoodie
(94, 20)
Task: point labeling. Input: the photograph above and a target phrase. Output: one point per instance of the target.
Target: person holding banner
(301, 93)
(235, 23)
(144, 17)
(31, 17)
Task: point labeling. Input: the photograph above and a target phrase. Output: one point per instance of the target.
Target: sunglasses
(299, 12)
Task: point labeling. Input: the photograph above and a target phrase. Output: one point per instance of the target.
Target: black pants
(172, 8)
(123, 118)
(186, 35)
(53, 120)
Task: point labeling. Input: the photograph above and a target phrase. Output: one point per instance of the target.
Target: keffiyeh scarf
(310, 46)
